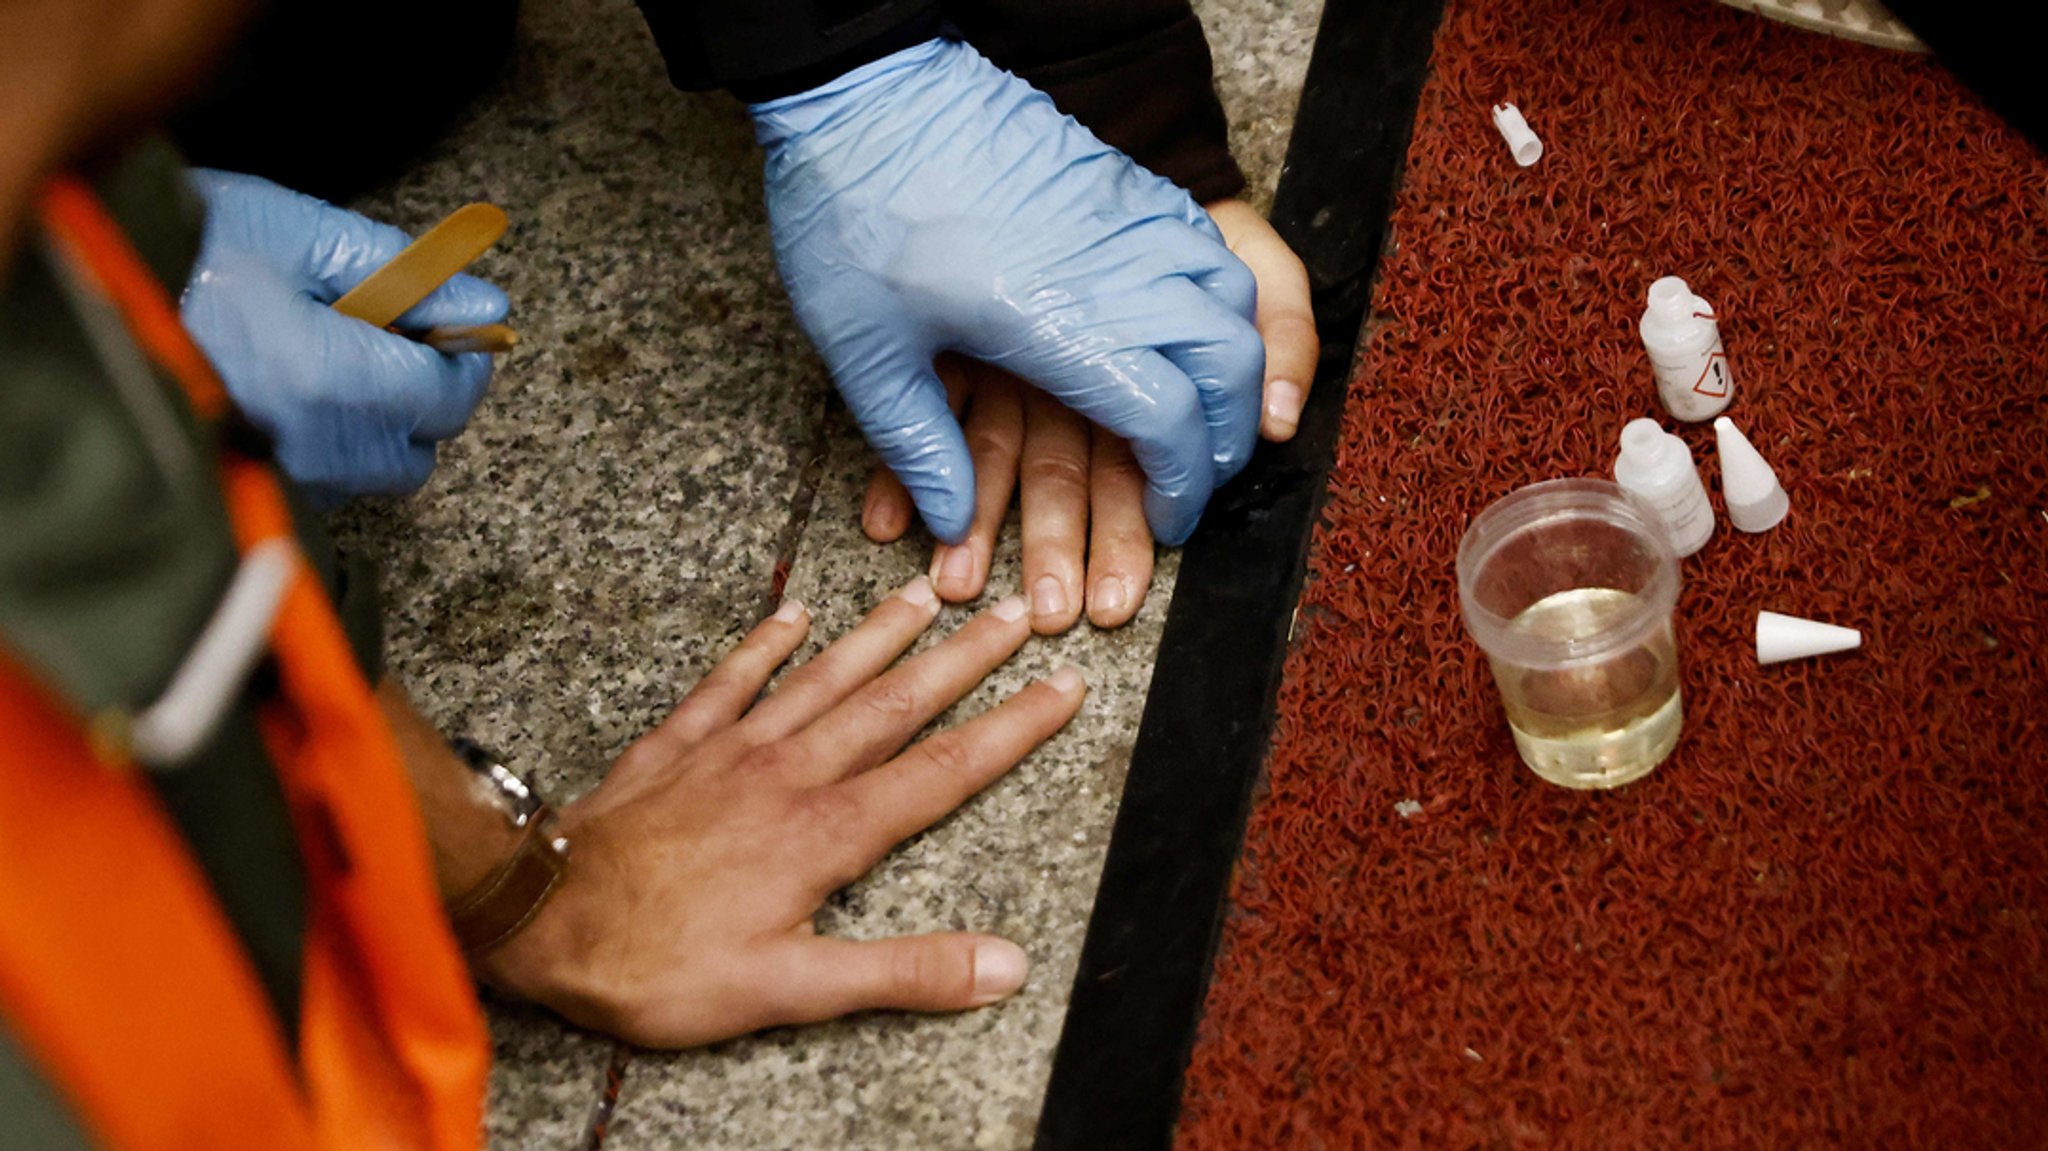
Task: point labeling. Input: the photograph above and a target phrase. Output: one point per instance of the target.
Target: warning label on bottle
(1713, 381)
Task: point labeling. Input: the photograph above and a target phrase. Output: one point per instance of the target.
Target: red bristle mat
(1820, 923)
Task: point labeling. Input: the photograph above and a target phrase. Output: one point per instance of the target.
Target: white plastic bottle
(1657, 466)
(1684, 342)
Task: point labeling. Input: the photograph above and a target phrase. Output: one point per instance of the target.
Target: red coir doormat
(1821, 923)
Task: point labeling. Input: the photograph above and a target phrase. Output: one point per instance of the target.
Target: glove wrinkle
(930, 202)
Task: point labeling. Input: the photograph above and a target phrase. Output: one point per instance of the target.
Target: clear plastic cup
(1569, 588)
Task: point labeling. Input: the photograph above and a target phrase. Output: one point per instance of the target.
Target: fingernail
(791, 611)
(1048, 597)
(956, 564)
(999, 969)
(1009, 610)
(1283, 406)
(1110, 595)
(1067, 679)
(919, 592)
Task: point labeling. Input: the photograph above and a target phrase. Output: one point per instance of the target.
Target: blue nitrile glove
(932, 202)
(353, 409)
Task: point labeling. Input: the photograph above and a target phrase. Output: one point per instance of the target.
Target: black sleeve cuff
(1153, 98)
(761, 51)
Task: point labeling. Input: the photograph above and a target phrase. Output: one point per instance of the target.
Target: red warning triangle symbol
(1713, 382)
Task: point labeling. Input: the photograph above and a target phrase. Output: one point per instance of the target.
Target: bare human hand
(1286, 317)
(699, 862)
(1081, 489)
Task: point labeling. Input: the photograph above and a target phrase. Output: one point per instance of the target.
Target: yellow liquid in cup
(1603, 724)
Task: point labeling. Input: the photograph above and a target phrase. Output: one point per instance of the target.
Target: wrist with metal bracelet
(507, 899)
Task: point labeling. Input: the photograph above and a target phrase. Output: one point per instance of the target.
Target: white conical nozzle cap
(1783, 637)
(1755, 499)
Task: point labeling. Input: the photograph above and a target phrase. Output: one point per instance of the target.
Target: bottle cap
(1668, 293)
(1756, 501)
(1783, 637)
(1515, 130)
(1671, 300)
(1644, 446)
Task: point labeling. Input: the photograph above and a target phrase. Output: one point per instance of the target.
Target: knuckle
(769, 759)
(1121, 539)
(991, 445)
(724, 745)
(721, 679)
(755, 657)
(1059, 471)
(764, 759)
(1293, 327)
(946, 754)
(930, 972)
(777, 985)
(1121, 466)
(1292, 347)
(827, 810)
(889, 700)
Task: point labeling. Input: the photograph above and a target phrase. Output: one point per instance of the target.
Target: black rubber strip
(1145, 967)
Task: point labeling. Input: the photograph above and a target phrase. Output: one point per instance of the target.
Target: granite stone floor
(614, 519)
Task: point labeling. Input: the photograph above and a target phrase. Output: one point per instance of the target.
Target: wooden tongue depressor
(453, 341)
(426, 264)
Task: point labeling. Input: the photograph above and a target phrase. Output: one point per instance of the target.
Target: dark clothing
(344, 136)
(781, 47)
(1134, 72)
(1137, 73)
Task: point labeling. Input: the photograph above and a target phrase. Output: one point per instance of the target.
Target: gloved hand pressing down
(353, 409)
(932, 202)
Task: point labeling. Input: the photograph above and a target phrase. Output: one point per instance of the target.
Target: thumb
(951, 971)
(414, 389)
(902, 410)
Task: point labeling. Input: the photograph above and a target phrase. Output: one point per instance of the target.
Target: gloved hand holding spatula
(275, 299)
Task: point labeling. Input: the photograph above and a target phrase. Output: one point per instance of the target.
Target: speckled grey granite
(1261, 48)
(1021, 860)
(611, 522)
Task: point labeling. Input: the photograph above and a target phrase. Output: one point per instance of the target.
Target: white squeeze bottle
(1657, 466)
(1684, 343)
